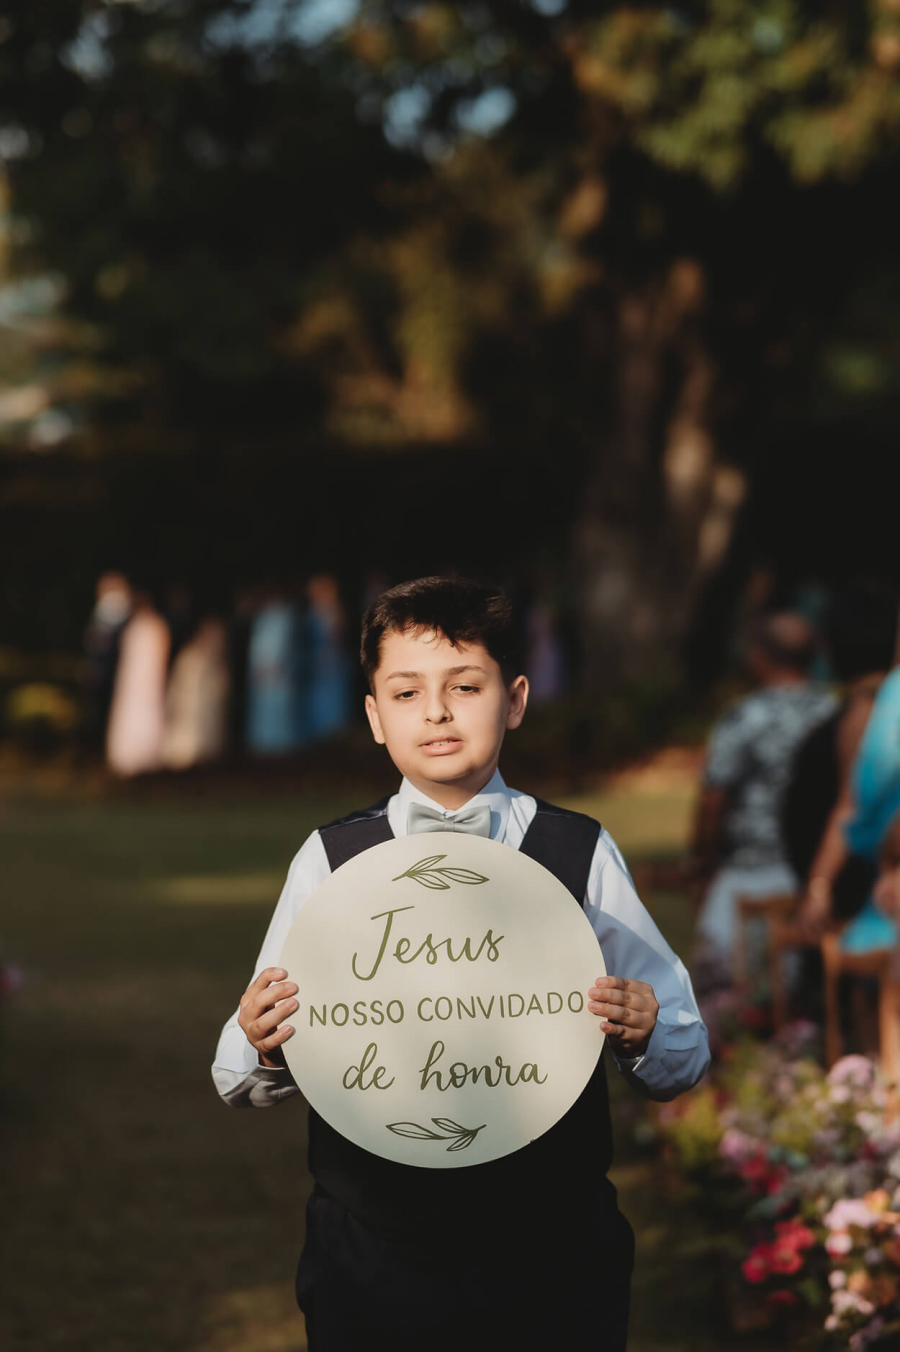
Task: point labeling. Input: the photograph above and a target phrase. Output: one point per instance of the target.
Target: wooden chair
(776, 913)
(877, 965)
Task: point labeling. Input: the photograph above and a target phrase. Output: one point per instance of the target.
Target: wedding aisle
(158, 1219)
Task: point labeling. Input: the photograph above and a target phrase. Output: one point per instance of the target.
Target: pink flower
(776, 1180)
(736, 1146)
(756, 1266)
(837, 1279)
(856, 1071)
(785, 1258)
(838, 1243)
(850, 1302)
(781, 1298)
(849, 1211)
(795, 1233)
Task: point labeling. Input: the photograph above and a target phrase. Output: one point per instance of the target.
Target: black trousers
(535, 1288)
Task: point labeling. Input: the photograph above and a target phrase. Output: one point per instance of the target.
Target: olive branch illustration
(448, 1130)
(426, 873)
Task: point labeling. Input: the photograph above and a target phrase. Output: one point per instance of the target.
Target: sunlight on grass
(218, 889)
(645, 823)
(256, 1319)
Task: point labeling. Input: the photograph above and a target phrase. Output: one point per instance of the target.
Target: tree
(631, 270)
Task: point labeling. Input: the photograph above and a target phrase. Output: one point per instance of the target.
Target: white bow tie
(475, 821)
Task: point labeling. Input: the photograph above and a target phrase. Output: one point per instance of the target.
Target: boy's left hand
(627, 1010)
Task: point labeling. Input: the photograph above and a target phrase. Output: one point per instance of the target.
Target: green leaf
(413, 1130)
(428, 875)
(425, 864)
(459, 1136)
(462, 875)
(462, 1142)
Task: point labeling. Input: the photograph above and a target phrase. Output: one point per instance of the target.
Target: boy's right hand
(266, 1001)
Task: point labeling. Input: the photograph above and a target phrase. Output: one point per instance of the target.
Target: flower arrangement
(802, 1168)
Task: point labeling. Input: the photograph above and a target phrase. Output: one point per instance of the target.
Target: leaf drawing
(427, 873)
(462, 875)
(414, 1130)
(460, 1138)
(462, 1142)
(447, 1124)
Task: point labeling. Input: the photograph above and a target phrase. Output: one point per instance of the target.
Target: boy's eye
(404, 694)
(465, 689)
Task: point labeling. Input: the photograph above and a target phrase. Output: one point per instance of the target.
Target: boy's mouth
(439, 746)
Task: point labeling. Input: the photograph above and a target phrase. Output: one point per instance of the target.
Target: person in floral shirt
(738, 846)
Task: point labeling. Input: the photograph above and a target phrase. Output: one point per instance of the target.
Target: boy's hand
(627, 1010)
(265, 1002)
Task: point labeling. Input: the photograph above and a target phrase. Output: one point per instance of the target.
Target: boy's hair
(462, 610)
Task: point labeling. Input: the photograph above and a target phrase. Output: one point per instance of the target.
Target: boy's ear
(374, 720)
(518, 698)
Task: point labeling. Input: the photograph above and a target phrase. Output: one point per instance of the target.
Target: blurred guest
(134, 743)
(875, 799)
(197, 698)
(180, 617)
(544, 653)
(238, 653)
(738, 847)
(859, 631)
(101, 653)
(274, 694)
(329, 668)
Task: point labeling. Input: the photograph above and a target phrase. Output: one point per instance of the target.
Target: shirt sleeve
(236, 1071)
(678, 1052)
(729, 747)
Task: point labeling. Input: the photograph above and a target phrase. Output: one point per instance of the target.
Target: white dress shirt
(678, 1053)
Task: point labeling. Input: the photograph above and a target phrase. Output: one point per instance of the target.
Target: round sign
(442, 1012)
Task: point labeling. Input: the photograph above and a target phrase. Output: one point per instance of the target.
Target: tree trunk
(660, 509)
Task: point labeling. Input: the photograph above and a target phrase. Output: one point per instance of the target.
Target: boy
(525, 1252)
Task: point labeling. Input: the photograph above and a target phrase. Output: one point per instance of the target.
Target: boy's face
(442, 712)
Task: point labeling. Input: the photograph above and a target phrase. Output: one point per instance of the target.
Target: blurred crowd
(800, 796)
(173, 685)
(176, 683)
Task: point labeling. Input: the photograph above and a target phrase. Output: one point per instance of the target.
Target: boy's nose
(436, 711)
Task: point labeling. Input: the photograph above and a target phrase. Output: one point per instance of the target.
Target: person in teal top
(876, 798)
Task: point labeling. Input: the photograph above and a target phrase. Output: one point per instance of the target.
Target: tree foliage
(644, 257)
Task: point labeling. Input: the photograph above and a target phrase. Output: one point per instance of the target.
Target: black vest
(561, 1174)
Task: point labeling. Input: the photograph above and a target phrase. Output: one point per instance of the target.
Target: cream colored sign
(442, 1015)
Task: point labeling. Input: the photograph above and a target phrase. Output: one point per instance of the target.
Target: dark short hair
(788, 640)
(462, 610)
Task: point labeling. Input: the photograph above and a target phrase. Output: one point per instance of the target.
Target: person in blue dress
(275, 723)
(329, 688)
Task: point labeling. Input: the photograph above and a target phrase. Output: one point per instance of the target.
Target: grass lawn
(138, 1211)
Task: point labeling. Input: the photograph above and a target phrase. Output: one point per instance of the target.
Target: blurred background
(303, 298)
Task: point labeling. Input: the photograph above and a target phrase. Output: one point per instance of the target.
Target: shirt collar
(494, 795)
